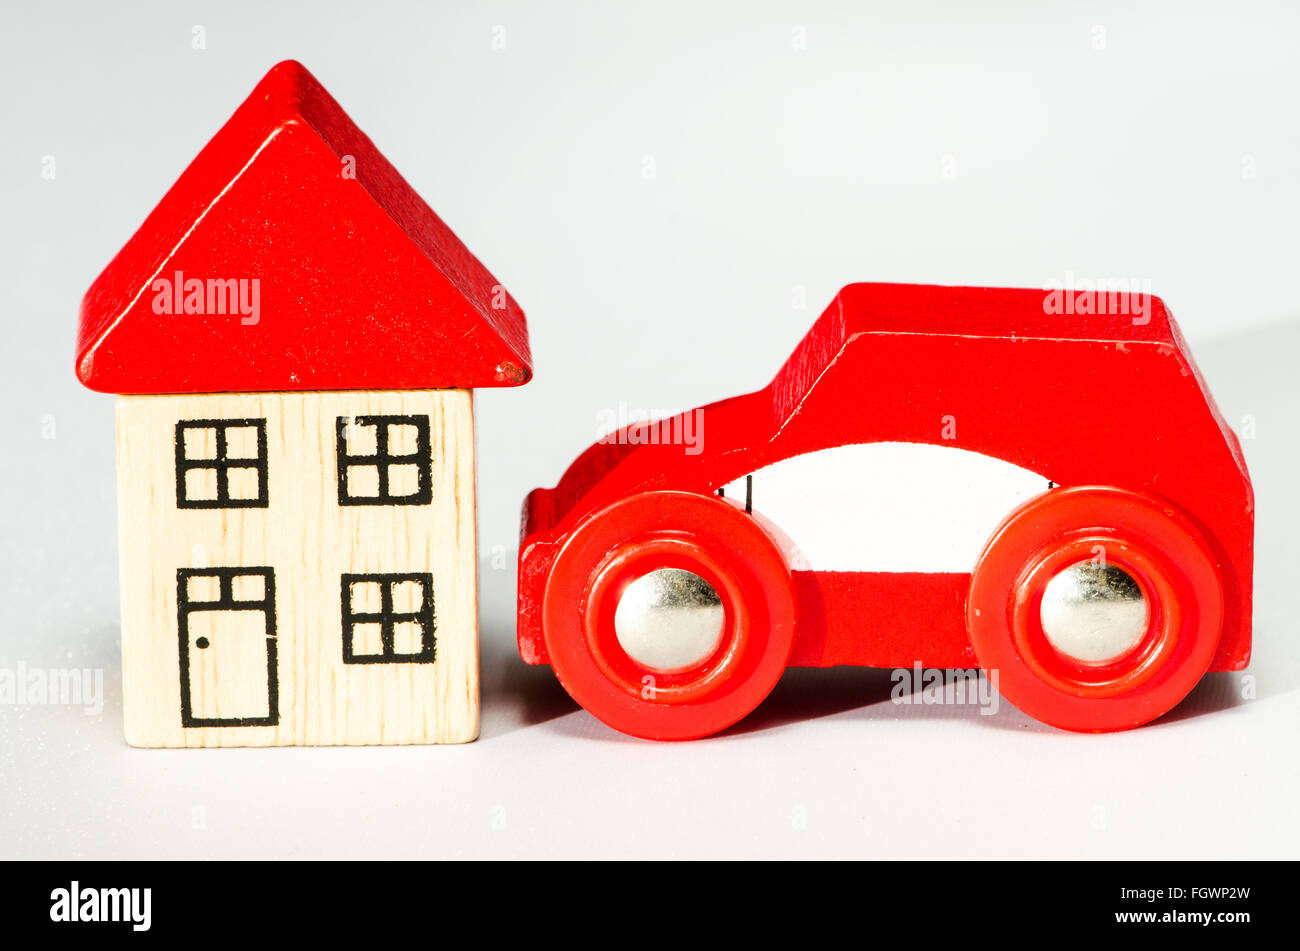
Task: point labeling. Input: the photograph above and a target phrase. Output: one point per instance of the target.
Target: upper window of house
(221, 463)
(384, 460)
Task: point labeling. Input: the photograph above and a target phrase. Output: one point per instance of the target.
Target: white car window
(888, 506)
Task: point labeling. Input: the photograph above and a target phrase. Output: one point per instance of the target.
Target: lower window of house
(388, 618)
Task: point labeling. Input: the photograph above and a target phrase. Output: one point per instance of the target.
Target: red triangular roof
(359, 284)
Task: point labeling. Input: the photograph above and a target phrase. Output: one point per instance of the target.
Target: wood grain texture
(309, 542)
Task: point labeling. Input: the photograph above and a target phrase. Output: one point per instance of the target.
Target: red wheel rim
(1164, 620)
(625, 566)
(702, 534)
(1151, 541)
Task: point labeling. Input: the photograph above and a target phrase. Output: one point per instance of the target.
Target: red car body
(1109, 399)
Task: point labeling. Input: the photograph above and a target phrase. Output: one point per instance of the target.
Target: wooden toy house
(294, 336)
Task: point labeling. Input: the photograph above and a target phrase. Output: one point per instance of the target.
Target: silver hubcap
(669, 620)
(1094, 613)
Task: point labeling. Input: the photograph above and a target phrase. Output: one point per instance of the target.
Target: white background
(795, 147)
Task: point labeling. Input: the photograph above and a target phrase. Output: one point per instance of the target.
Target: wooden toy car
(946, 476)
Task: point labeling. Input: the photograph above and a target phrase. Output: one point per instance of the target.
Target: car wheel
(669, 615)
(1095, 608)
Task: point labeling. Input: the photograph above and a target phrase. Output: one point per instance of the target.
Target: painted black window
(384, 460)
(221, 464)
(388, 618)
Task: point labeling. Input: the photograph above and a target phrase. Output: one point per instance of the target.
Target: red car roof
(291, 255)
(1128, 315)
